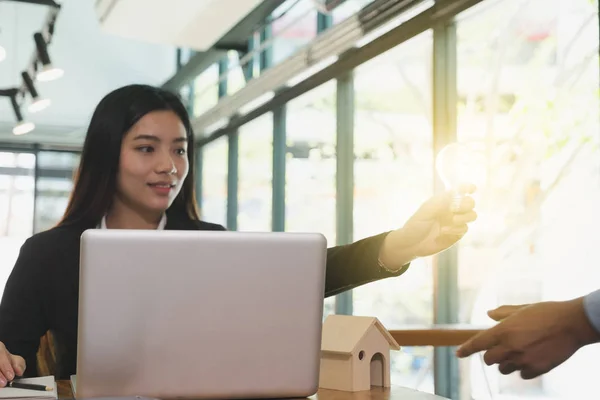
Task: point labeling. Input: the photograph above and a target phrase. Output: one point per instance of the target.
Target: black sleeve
(22, 320)
(209, 226)
(355, 264)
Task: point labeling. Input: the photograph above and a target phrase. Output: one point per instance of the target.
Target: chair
(46, 355)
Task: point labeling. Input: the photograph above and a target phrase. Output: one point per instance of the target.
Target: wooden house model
(355, 353)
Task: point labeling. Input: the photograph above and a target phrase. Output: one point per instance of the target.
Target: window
(528, 89)
(206, 90)
(17, 189)
(311, 163)
(310, 199)
(17, 171)
(393, 176)
(294, 26)
(54, 184)
(255, 189)
(236, 79)
(214, 182)
(348, 8)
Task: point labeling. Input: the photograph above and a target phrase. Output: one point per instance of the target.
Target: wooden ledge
(435, 335)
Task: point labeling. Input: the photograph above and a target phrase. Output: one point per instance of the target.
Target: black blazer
(42, 291)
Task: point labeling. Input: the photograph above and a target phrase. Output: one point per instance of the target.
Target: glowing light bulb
(457, 164)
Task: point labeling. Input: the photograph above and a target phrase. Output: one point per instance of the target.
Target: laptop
(199, 314)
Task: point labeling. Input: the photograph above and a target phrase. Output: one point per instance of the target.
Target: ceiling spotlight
(48, 72)
(37, 104)
(22, 127)
(2, 53)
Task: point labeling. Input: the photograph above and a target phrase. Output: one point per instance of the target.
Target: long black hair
(96, 177)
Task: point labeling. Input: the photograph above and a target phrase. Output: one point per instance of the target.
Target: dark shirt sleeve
(355, 264)
(352, 265)
(22, 321)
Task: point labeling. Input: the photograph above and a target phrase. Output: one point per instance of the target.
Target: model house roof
(343, 333)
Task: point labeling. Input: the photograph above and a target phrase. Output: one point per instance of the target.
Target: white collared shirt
(160, 227)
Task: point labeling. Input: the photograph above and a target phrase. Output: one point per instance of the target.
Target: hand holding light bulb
(443, 219)
(456, 164)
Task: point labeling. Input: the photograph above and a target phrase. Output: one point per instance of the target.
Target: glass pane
(311, 163)
(294, 25)
(255, 174)
(54, 184)
(206, 90)
(235, 75)
(7, 159)
(528, 90)
(347, 9)
(17, 187)
(393, 176)
(214, 182)
(310, 198)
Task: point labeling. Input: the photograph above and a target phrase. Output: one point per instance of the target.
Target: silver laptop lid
(196, 314)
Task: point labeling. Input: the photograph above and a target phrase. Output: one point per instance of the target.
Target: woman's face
(154, 162)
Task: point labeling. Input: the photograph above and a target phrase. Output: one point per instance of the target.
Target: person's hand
(533, 339)
(11, 365)
(503, 312)
(433, 228)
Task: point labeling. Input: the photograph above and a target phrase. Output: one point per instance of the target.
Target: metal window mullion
(266, 55)
(248, 68)
(324, 22)
(199, 171)
(232, 180)
(232, 157)
(279, 143)
(344, 163)
(178, 57)
(222, 85)
(345, 174)
(36, 176)
(279, 168)
(446, 295)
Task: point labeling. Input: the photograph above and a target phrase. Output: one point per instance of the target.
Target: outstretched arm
(355, 264)
(535, 339)
(434, 227)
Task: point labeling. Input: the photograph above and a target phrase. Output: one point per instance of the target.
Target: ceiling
(94, 63)
(194, 24)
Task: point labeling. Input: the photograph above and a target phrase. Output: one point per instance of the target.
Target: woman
(135, 173)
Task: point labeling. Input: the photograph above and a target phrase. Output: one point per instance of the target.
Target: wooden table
(64, 389)
(435, 335)
(393, 393)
